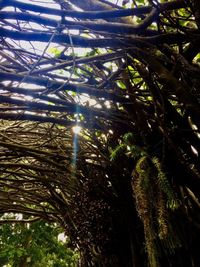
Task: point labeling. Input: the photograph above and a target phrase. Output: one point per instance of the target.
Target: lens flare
(76, 129)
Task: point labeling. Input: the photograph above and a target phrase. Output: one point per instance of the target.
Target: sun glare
(76, 129)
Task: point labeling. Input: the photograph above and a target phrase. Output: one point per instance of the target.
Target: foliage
(128, 147)
(36, 244)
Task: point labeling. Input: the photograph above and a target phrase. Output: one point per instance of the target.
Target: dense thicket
(126, 188)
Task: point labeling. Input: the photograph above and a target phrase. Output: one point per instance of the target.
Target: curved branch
(92, 14)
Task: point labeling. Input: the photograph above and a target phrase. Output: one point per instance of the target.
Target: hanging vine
(154, 197)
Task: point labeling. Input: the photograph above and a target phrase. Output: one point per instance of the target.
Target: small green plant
(128, 148)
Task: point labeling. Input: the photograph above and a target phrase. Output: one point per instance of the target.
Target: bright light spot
(194, 150)
(62, 237)
(19, 216)
(107, 103)
(76, 129)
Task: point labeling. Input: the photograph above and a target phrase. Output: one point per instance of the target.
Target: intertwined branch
(112, 71)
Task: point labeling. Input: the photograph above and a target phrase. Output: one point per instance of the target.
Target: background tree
(126, 188)
(36, 244)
